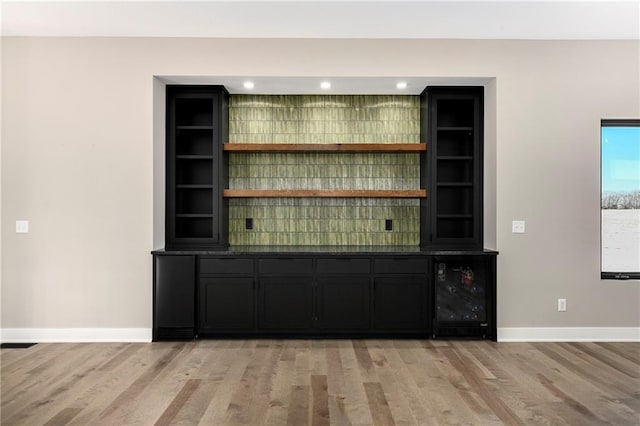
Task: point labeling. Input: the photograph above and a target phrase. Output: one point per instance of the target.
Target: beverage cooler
(464, 296)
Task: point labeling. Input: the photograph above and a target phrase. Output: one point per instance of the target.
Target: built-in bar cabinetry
(265, 293)
(445, 286)
(196, 167)
(451, 120)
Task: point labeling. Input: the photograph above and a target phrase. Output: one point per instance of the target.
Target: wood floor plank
(260, 403)
(167, 384)
(579, 408)
(63, 417)
(582, 391)
(523, 393)
(435, 388)
(113, 411)
(40, 378)
(121, 357)
(302, 365)
(73, 372)
(631, 353)
(614, 380)
(103, 388)
(336, 385)
(319, 401)
(397, 358)
(178, 402)
(194, 407)
(499, 408)
(367, 371)
(378, 404)
(209, 375)
(242, 400)
(238, 359)
(398, 404)
(356, 404)
(629, 369)
(576, 366)
(15, 360)
(299, 406)
(281, 387)
(321, 382)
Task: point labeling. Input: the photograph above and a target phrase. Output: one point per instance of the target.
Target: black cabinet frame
(197, 126)
(264, 295)
(451, 216)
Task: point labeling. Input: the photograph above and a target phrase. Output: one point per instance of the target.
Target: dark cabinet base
(343, 303)
(401, 303)
(173, 297)
(314, 295)
(285, 303)
(226, 303)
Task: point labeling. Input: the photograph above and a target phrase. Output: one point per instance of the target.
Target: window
(620, 199)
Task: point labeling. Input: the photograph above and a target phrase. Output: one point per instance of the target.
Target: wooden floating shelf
(330, 147)
(334, 193)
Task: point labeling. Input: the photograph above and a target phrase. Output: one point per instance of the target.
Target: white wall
(78, 162)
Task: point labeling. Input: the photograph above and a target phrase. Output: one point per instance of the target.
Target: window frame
(623, 122)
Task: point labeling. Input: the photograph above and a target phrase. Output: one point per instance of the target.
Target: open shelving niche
(455, 128)
(326, 147)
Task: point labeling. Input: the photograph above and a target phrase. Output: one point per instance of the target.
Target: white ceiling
(451, 19)
(325, 19)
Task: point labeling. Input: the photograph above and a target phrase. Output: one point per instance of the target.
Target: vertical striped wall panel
(324, 119)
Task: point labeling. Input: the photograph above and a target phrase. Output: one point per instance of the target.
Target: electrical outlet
(562, 305)
(22, 226)
(517, 226)
(248, 223)
(388, 225)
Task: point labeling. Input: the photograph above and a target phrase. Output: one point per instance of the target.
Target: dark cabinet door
(400, 303)
(343, 302)
(174, 297)
(226, 303)
(285, 303)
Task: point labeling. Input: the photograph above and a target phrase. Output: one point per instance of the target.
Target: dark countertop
(329, 250)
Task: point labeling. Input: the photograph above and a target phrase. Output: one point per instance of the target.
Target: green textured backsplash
(324, 119)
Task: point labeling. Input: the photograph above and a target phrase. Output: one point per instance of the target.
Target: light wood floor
(297, 382)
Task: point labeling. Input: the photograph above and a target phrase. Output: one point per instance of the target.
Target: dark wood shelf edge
(339, 147)
(310, 193)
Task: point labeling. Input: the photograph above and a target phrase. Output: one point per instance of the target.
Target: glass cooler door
(461, 296)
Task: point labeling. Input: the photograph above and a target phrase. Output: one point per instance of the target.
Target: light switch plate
(517, 226)
(22, 226)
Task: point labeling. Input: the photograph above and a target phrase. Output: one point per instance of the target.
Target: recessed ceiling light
(401, 85)
(248, 85)
(325, 85)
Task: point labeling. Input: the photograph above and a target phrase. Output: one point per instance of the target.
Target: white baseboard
(569, 334)
(73, 335)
